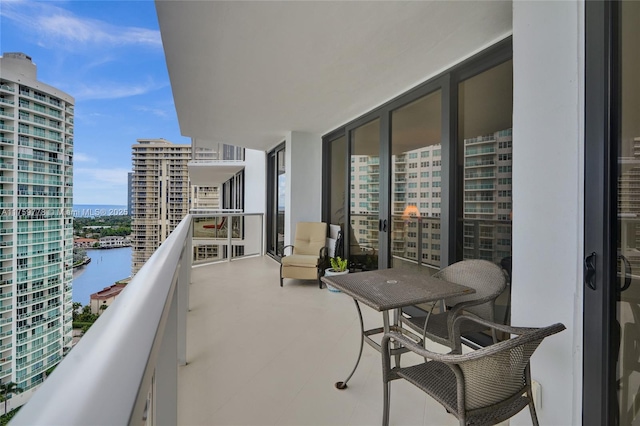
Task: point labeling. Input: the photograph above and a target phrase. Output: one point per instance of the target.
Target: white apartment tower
(36, 229)
(160, 193)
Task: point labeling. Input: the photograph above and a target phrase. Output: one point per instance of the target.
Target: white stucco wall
(255, 198)
(548, 146)
(303, 163)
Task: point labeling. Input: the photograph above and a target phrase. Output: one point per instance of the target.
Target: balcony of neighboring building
(214, 163)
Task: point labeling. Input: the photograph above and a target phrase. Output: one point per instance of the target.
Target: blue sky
(107, 55)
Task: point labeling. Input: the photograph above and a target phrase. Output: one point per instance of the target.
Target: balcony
(223, 343)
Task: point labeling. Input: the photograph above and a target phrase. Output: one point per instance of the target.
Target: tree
(79, 254)
(77, 306)
(7, 389)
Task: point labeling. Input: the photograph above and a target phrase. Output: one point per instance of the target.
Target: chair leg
(532, 407)
(387, 400)
(280, 275)
(319, 280)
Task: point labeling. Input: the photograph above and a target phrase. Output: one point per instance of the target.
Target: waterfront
(106, 267)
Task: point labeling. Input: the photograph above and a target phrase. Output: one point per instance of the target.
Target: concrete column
(548, 205)
(303, 194)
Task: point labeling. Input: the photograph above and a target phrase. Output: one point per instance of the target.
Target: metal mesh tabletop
(386, 289)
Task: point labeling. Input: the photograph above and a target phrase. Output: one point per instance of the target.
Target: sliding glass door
(429, 173)
(416, 177)
(611, 376)
(276, 181)
(364, 196)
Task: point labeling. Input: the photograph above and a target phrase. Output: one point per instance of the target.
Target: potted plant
(338, 267)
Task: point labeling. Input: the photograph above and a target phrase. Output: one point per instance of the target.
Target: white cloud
(83, 158)
(112, 90)
(58, 26)
(100, 186)
(110, 176)
(155, 111)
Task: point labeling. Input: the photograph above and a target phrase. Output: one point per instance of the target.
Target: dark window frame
(447, 82)
(602, 114)
(272, 191)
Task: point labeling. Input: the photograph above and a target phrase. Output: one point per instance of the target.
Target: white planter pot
(329, 273)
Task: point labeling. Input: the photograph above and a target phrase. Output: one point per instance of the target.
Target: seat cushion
(300, 260)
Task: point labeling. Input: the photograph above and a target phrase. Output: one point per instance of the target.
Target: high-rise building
(129, 194)
(36, 229)
(160, 194)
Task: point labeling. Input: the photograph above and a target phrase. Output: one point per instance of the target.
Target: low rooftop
(108, 292)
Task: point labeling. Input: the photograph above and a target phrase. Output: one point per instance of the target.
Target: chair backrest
(498, 372)
(310, 238)
(485, 277)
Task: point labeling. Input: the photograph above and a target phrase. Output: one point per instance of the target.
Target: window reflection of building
(629, 205)
(487, 199)
(417, 182)
(487, 196)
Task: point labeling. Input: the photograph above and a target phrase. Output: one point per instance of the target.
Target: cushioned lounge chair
(309, 254)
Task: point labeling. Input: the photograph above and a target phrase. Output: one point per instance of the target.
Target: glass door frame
(448, 131)
(602, 114)
(384, 204)
(447, 82)
(272, 201)
(326, 175)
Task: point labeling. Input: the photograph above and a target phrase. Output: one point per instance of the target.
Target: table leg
(386, 327)
(396, 312)
(343, 385)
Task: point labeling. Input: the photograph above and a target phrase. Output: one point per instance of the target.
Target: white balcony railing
(137, 344)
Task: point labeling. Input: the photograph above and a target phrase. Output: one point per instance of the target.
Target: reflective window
(415, 133)
(364, 216)
(628, 250)
(485, 109)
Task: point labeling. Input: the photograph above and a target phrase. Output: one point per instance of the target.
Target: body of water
(106, 267)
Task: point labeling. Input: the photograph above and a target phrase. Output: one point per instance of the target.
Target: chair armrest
(492, 325)
(323, 258)
(284, 248)
(489, 324)
(410, 345)
(532, 333)
(457, 310)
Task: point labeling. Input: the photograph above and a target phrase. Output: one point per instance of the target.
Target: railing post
(229, 235)
(166, 373)
(419, 240)
(262, 231)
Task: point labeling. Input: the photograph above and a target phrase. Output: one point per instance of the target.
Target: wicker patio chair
(484, 387)
(489, 281)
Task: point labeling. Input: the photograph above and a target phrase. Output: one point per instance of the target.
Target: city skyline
(109, 57)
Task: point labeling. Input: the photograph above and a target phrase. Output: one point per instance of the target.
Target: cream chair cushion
(310, 238)
(302, 263)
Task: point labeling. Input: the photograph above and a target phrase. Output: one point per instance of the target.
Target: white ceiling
(246, 73)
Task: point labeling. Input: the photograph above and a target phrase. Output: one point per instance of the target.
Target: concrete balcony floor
(259, 354)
